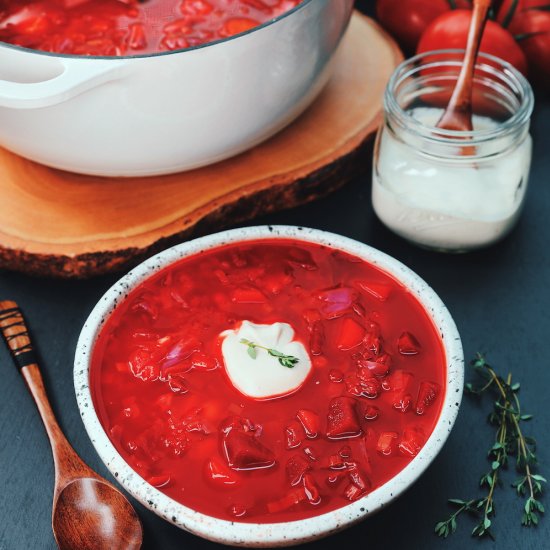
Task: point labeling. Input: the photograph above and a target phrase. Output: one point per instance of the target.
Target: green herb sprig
(506, 417)
(288, 361)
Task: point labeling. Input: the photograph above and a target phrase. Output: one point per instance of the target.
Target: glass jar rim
(497, 66)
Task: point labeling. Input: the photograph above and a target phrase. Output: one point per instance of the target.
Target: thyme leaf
(288, 361)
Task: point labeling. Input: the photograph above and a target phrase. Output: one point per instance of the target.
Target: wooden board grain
(61, 224)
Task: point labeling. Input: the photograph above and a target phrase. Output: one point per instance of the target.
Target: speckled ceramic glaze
(269, 534)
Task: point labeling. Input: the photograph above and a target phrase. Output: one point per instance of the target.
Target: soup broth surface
(369, 403)
(130, 27)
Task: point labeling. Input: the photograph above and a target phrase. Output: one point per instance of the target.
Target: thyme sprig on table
(288, 361)
(510, 440)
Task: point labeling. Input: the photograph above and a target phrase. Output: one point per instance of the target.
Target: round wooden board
(61, 224)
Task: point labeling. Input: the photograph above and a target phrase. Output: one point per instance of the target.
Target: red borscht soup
(129, 27)
(268, 381)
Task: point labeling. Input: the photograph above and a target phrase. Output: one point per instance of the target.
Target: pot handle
(56, 79)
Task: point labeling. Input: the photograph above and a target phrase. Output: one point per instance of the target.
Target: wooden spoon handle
(14, 330)
(461, 99)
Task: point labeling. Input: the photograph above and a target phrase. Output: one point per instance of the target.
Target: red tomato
(406, 20)
(507, 12)
(532, 30)
(450, 31)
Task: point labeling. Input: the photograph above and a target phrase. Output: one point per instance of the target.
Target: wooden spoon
(88, 512)
(458, 114)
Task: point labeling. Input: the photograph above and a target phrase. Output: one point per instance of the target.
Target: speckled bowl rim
(269, 534)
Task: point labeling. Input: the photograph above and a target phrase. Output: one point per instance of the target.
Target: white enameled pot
(172, 111)
(262, 535)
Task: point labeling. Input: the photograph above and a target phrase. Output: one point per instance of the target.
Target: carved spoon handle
(15, 332)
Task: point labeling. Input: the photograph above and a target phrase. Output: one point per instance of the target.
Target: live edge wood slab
(60, 224)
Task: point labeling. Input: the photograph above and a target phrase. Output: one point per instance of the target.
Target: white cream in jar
(443, 190)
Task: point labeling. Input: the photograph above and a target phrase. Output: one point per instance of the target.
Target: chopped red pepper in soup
(368, 405)
(130, 27)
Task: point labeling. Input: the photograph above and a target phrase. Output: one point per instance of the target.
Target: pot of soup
(140, 88)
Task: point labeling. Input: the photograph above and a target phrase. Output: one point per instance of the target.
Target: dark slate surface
(499, 298)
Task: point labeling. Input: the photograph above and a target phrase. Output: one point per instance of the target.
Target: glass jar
(448, 190)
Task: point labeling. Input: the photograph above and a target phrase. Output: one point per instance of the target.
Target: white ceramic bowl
(171, 111)
(274, 534)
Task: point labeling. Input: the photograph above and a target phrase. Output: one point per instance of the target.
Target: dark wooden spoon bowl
(88, 512)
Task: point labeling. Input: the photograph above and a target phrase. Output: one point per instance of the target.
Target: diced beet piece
(345, 451)
(131, 408)
(358, 309)
(352, 492)
(218, 472)
(164, 401)
(427, 394)
(334, 478)
(241, 445)
(336, 376)
(143, 367)
(296, 466)
(369, 387)
(336, 462)
(195, 421)
(316, 338)
(310, 453)
(180, 351)
(178, 442)
(203, 362)
(310, 422)
(373, 338)
(295, 496)
(319, 362)
(402, 402)
(145, 303)
(121, 366)
(311, 316)
(238, 510)
(381, 291)
(342, 419)
(178, 384)
(351, 334)
(380, 367)
(371, 412)
(412, 441)
(294, 433)
(159, 481)
(302, 258)
(398, 381)
(221, 275)
(337, 301)
(358, 478)
(408, 344)
(311, 489)
(248, 296)
(387, 442)
(274, 283)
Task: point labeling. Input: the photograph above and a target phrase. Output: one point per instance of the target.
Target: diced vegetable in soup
(129, 27)
(268, 381)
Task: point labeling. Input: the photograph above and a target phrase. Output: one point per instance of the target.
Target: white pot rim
(285, 533)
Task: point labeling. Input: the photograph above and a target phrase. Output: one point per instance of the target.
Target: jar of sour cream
(447, 190)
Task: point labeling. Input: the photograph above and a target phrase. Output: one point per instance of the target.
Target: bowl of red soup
(270, 385)
(137, 88)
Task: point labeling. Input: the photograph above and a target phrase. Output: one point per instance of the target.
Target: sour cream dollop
(264, 377)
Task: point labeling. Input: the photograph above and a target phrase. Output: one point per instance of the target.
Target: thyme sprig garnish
(510, 440)
(288, 361)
